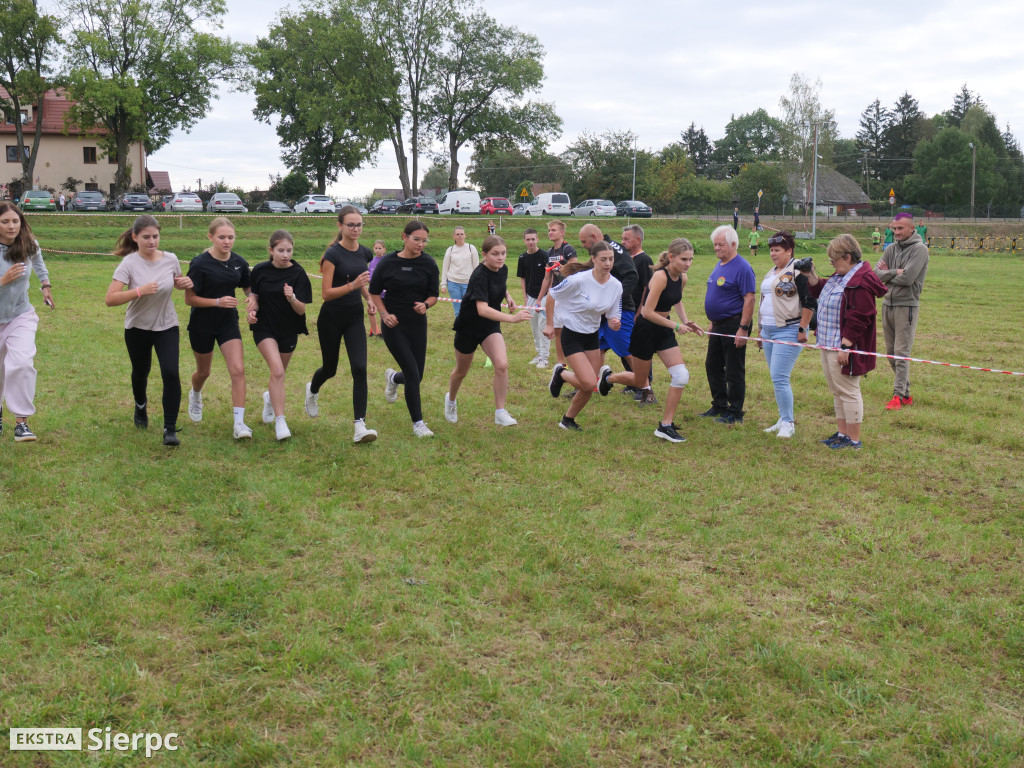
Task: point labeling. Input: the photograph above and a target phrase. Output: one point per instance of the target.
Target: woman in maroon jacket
(846, 320)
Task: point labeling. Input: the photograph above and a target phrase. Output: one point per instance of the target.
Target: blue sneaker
(830, 439)
(846, 442)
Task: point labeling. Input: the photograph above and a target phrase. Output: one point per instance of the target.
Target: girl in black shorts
(586, 294)
(344, 268)
(410, 281)
(281, 289)
(216, 273)
(479, 325)
(655, 332)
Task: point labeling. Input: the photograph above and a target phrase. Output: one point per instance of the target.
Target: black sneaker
(603, 385)
(630, 390)
(830, 439)
(647, 397)
(713, 412)
(141, 419)
(668, 432)
(22, 434)
(729, 418)
(570, 424)
(555, 385)
(171, 437)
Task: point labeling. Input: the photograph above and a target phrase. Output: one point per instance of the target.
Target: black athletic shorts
(573, 342)
(285, 344)
(649, 338)
(202, 341)
(467, 342)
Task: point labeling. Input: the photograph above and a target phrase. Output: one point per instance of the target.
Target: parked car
(343, 203)
(521, 209)
(594, 208)
(186, 201)
(37, 200)
(273, 206)
(490, 206)
(634, 208)
(418, 205)
(163, 203)
(314, 204)
(385, 206)
(225, 202)
(550, 204)
(459, 201)
(133, 202)
(89, 200)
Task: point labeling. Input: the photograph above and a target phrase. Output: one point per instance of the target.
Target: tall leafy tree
(602, 166)
(140, 70)
(942, 171)
(481, 77)
(699, 147)
(769, 178)
(308, 73)
(874, 121)
(906, 128)
(804, 116)
(408, 35)
(28, 44)
(1014, 168)
(500, 169)
(748, 138)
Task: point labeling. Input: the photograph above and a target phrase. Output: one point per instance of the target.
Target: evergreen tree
(962, 102)
(874, 121)
(699, 147)
(900, 138)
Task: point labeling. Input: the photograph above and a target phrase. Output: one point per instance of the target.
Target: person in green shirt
(922, 230)
(876, 239)
(754, 239)
(889, 236)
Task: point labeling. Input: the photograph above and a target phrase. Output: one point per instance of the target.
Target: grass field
(522, 596)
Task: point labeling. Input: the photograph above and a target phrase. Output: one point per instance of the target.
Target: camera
(804, 265)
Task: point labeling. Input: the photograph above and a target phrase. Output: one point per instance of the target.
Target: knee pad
(680, 375)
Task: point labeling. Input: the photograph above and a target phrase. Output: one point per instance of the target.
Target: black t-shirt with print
(215, 279)
(275, 314)
(404, 282)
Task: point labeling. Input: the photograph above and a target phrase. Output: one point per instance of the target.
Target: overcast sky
(656, 66)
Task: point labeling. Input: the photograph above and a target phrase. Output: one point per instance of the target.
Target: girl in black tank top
(654, 332)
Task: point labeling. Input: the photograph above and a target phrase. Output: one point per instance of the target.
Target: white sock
(279, 419)
(359, 421)
(500, 411)
(239, 414)
(419, 423)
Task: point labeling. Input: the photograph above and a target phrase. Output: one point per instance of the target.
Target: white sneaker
(242, 432)
(195, 406)
(312, 406)
(503, 419)
(451, 409)
(362, 434)
(420, 429)
(390, 387)
(774, 427)
(788, 429)
(542, 363)
(281, 430)
(268, 409)
(536, 359)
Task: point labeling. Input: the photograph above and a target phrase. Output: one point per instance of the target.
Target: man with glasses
(901, 269)
(729, 305)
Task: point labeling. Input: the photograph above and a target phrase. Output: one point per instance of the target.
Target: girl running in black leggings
(343, 267)
(410, 281)
(144, 280)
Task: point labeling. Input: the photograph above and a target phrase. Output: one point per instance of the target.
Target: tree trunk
(453, 154)
(403, 161)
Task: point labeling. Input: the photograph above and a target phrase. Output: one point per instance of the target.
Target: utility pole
(867, 182)
(634, 170)
(974, 163)
(814, 194)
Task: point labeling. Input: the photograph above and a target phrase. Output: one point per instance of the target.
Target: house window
(112, 158)
(92, 186)
(89, 155)
(113, 189)
(12, 153)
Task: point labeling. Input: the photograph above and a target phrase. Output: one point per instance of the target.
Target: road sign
(892, 200)
(524, 193)
(892, 194)
(759, 193)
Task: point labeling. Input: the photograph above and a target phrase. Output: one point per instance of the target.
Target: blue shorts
(617, 341)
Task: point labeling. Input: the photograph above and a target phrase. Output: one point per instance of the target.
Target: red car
(492, 205)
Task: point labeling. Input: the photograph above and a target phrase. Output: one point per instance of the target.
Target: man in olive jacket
(902, 269)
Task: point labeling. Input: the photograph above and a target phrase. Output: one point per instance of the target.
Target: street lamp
(974, 165)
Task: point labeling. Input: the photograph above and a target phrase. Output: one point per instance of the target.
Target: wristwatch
(801, 330)
(747, 327)
(846, 346)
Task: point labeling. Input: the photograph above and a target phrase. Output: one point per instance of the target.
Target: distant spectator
(876, 240)
(736, 219)
(922, 230)
(755, 239)
(757, 217)
(889, 236)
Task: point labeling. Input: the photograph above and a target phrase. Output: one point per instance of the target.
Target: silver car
(185, 201)
(594, 208)
(225, 202)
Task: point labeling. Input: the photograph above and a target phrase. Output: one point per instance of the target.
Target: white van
(550, 204)
(461, 201)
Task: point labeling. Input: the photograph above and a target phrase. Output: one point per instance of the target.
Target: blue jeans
(456, 291)
(781, 360)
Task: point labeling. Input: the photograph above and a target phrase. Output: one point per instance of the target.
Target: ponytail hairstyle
(415, 226)
(280, 234)
(491, 241)
(572, 268)
(217, 223)
(24, 245)
(677, 246)
(345, 211)
(126, 242)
